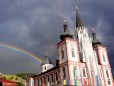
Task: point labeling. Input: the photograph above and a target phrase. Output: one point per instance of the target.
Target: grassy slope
(14, 78)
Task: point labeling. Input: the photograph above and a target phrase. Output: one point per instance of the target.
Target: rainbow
(4, 45)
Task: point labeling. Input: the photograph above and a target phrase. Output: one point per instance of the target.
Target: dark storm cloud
(35, 25)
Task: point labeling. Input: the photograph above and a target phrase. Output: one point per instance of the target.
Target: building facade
(82, 60)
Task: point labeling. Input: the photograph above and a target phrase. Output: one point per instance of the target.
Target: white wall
(48, 66)
(72, 46)
(62, 47)
(110, 76)
(101, 52)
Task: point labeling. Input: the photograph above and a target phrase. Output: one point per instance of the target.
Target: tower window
(62, 54)
(64, 74)
(74, 72)
(109, 83)
(84, 73)
(73, 54)
(107, 74)
(104, 58)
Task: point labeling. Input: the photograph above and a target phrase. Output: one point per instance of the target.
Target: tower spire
(79, 22)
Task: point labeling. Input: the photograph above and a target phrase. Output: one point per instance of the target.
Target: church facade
(82, 60)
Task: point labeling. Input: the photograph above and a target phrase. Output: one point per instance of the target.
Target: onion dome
(66, 33)
(95, 40)
(46, 61)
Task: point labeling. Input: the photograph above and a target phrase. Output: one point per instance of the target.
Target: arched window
(64, 73)
(84, 72)
(62, 54)
(48, 78)
(45, 67)
(38, 81)
(75, 76)
(56, 76)
(44, 80)
(107, 74)
(73, 53)
(52, 78)
(104, 57)
(109, 83)
(75, 72)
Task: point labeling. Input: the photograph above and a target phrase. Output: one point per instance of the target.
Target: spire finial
(79, 23)
(65, 25)
(46, 54)
(76, 7)
(93, 30)
(65, 21)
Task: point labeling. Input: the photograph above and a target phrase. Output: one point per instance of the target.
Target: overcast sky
(35, 26)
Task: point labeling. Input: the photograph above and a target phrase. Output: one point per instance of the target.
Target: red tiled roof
(8, 82)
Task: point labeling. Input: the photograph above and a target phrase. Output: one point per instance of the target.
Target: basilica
(82, 60)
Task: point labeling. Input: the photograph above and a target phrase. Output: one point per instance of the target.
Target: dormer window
(62, 54)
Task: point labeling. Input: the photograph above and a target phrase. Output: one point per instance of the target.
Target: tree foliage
(25, 75)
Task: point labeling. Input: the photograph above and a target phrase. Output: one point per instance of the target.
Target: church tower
(82, 60)
(103, 61)
(68, 58)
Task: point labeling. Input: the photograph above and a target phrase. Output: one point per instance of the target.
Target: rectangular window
(73, 54)
(75, 72)
(64, 74)
(97, 56)
(62, 54)
(56, 76)
(52, 77)
(107, 74)
(104, 58)
(44, 80)
(38, 81)
(84, 73)
(48, 78)
(45, 67)
(109, 83)
(41, 80)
